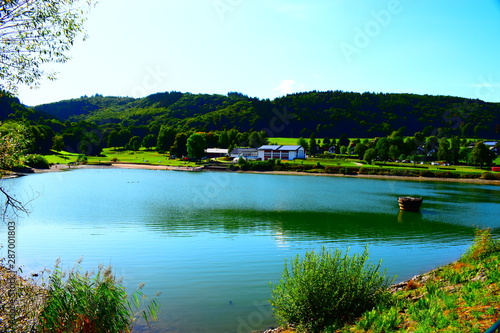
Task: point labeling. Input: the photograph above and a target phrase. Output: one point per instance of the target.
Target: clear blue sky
(268, 48)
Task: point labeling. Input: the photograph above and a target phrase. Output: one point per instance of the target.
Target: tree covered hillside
(330, 113)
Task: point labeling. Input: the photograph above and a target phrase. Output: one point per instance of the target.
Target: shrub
(484, 245)
(427, 173)
(328, 289)
(82, 159)
(78, 302)
(489, 176)
(36, 161)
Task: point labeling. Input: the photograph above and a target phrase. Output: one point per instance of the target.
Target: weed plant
(327, 290)
(88, 303)
(483, 246)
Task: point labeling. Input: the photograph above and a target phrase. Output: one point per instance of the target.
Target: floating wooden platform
(411, 204)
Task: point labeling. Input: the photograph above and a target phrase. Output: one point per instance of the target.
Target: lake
(211, 242)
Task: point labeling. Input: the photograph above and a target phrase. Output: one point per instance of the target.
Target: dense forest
(166, 120)
(326, 114)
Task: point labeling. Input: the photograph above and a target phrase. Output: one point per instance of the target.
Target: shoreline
(64, 167)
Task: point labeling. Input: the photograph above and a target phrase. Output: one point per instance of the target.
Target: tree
(196, 145)
(113, 139)
(454, 149)
(343, 140)
(326, 144)
(394, 152)
(382, 148)
(165, 139)
(481, 154)
(224, 140)
(430, 143)
(370, 155)
(419, 138)
(58, 143)
(179, 147)
(13, 143)
(149, 141)
(257, 139)
(303, 142)
(443, 153)
(313, 147)
(360, 150)
(410, 146)
(134, 143)
(36, 32)
(123, 137)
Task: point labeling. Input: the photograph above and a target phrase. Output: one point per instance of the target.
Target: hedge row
(276, 165)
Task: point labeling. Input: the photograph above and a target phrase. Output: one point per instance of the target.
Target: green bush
(328, 289)
(427, 173)
(489, 176)
(36, 161)
(82, 159)
(78, 302)
(483, 246)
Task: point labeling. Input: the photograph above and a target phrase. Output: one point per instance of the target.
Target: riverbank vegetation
(71, 301)
(463, 296)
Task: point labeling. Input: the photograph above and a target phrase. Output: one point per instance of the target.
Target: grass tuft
(91, 303)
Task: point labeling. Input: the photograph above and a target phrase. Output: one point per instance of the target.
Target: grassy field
(284, 141)
(124, 156)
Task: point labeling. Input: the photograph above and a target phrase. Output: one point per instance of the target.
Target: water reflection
(400, 227)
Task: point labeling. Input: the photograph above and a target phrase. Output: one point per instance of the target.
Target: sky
(271, 48)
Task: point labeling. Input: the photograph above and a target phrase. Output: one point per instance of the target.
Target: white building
(216, 152)
(281, 152)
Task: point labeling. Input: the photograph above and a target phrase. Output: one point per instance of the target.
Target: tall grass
(484, 245)
(91, 303)
(327, 290)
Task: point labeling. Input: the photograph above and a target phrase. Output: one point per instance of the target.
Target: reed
(91, 303)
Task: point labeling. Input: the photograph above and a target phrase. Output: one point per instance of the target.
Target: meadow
(152, 157)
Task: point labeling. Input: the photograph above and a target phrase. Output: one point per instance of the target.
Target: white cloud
(299, 10)
(286, 87)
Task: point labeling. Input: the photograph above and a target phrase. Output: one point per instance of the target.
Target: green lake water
(211, 242)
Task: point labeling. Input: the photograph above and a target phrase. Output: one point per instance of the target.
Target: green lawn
(110, 155)
(284, 141)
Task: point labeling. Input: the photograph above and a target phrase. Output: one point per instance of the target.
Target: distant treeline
(326, 114)
(166, 120)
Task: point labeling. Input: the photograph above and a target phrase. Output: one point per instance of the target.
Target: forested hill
(330, 113)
